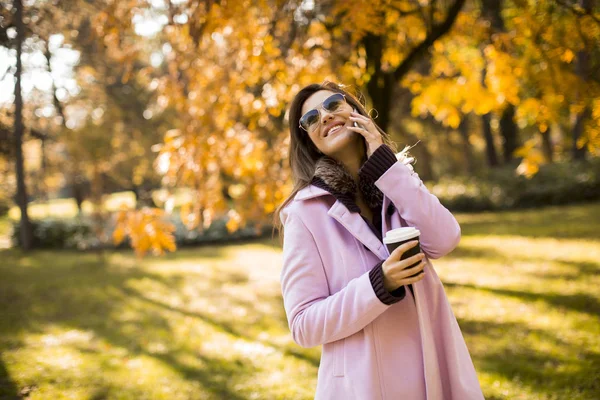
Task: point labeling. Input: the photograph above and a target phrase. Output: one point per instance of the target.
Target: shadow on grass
(515, 351)
(8, 389)
(43, 289)
(577, 302)
(234, 328)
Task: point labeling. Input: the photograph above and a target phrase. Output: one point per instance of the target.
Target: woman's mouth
(334, 129)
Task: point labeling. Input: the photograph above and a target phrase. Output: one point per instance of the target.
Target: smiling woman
(341, 286)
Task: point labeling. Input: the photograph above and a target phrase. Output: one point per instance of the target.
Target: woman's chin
(342, 141)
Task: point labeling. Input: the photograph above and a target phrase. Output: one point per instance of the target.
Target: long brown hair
(303, 154)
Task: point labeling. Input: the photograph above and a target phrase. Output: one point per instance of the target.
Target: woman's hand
(368, 130)
(394, 272)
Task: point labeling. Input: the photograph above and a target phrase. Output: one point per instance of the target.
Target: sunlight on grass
(208, 323)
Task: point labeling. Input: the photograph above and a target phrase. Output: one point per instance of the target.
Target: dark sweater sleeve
(389, 298)
(379, 162)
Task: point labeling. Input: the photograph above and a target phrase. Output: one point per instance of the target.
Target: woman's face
(330, 133)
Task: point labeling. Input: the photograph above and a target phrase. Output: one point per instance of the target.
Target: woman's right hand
(395, 271)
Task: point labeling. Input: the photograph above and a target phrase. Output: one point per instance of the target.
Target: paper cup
(399, 236)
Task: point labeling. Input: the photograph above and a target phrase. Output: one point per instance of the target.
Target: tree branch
(436, 32)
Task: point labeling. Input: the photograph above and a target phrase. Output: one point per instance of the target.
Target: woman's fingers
(414, 279)
(411, 271)
(359, 117)
(401, 273)
(407, 262)
(400, 250)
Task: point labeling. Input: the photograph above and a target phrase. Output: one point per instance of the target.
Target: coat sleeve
(314, 316)
(440, 232)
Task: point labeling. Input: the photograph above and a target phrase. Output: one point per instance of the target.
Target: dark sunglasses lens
(334, 102)
(309, 119)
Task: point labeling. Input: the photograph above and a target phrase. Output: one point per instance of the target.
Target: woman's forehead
(315, 100)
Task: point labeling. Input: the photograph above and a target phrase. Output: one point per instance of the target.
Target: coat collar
(332, 177)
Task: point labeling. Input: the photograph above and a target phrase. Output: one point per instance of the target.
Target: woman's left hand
(368, 130)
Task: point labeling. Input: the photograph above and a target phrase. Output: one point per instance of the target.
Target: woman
(341, 287)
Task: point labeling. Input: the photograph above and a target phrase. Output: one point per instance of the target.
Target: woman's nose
(325, 116)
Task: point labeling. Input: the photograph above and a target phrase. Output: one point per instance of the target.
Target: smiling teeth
(335, 128)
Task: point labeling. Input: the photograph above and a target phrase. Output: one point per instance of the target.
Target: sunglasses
(311, 120)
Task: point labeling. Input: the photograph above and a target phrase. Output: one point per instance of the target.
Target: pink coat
(372, 350)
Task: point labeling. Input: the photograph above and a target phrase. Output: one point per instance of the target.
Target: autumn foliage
(194, 94)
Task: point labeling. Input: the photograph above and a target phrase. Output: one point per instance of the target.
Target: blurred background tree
(183, 103)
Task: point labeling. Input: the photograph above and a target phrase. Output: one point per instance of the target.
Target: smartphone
(356, 123)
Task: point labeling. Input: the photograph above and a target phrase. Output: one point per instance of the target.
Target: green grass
(208, 323)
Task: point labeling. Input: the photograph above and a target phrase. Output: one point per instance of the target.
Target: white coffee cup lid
(400, 234)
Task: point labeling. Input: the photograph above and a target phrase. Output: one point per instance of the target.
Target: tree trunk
(463, 129)
(579, 152)
(582, 70)
(26, 234)
(78, 190)
(490, 147)
(492, 11)
(547, 146)
(425, 161)
(508, 130)
(381, 85)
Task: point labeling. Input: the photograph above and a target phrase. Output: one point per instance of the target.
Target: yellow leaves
(146, 229)
(119, 235)
(234, 221)
(532, 158)
(538, 112)
(453, 119)
(567, 56)
(236, 191)
(361, 17)
(500, 77)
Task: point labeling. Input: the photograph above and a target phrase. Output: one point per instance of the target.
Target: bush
(55, 233)
(78, 233)
(501, 189)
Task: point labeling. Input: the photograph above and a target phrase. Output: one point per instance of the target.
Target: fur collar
(333, 176)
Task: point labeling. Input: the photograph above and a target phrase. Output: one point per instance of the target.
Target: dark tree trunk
(26, 234)
(490, 147)
(463, 129)
(381, 84)
(425, 163)
(78, 192)
(492, 11)
(547, 146)
(583, 71)
(508, 130)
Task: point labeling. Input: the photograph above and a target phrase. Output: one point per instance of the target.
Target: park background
(160, 125)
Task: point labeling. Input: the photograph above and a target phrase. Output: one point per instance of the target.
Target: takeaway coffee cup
(399, 236)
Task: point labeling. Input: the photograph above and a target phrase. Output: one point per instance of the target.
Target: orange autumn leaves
(147, 230)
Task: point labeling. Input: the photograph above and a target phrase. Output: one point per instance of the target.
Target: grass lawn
(208, 323)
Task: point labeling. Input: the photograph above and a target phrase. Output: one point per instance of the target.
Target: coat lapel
(384, 216)
(354, 223)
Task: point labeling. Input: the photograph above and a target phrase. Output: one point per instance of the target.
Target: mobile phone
(356, 123)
